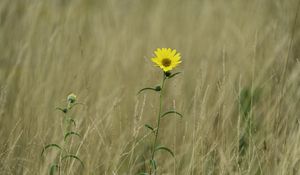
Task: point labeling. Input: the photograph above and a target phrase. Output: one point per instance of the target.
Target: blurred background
(238, 91)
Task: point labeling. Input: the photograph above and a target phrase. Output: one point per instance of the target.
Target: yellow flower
(166, 59)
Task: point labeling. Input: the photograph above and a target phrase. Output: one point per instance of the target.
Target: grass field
(239, 90)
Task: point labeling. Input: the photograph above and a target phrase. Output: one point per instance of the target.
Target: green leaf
(62, 110)
(49, 146)
(73, 157)
(173, 75)
(247, 99)
(149, 127)
(71, 133)
(171, 112)
(53, 168)
(72, 121)
(153, 164)
(165, 149)
(148, 88)
(243, 144)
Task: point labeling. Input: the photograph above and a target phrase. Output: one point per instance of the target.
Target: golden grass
(101, 51)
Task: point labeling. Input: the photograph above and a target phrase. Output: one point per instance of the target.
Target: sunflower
(166, 59)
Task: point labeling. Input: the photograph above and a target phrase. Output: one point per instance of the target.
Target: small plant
(166, 59)
(68, 123)
(247, 99)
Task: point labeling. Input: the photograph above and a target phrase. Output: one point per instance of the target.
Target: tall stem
(158, 117)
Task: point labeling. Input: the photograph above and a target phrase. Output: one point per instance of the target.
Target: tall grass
(101, 50)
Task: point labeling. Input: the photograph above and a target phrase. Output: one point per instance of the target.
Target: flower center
(166, 62)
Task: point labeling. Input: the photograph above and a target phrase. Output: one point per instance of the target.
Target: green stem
(158, 118)
(66, 126)
(66, 122)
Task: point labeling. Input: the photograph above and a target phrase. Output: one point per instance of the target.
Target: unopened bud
(71, 98)
(168, 73)
(158, 88)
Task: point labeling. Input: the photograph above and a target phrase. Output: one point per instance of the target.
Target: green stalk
(158, 118)
(67, 129)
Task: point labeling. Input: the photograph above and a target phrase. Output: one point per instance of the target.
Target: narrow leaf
(148, 88)
(62, 110)
(71, 133)
(153, 164)
(171, 112)
(53, 168)
(74, 157)
(165, 149)
(173, 75)
(143, 174)
(72, 121)
(49, 146)
(149, 127)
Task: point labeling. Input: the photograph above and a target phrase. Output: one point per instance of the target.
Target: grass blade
(49, 146)
(149, 127)
(74, 157)
(171, 112)
(165, 149)
(53, 168)
(153, 164)
(70, 134)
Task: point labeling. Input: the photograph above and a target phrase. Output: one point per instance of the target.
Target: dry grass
(100, 49)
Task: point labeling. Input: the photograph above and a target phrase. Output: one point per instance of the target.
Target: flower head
(166, 59)
(71, 98)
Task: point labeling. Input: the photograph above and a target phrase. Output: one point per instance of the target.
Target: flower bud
(71, 98)
(65, 110)
(168, 73)
(158, 88)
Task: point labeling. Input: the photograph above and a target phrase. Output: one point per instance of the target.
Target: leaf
(62, 110)
(49, 146)
(71, 133)
(72, 121)
(247, 99)
(171, 112)
(153, 164)
(149, 127)
(148, 88)
(243, 144)
(74, 157)
(52, 169)
(173, 75)
(165, 149)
